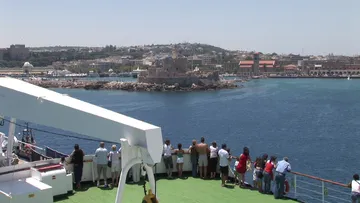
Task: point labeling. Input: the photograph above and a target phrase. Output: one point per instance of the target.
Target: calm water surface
(312, 121)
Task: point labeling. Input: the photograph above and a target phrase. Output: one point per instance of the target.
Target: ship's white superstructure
(141, 142)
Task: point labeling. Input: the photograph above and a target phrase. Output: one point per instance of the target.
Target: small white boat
(348, 78)
(136, 72)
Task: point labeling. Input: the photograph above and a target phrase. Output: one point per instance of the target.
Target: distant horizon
(301, 27)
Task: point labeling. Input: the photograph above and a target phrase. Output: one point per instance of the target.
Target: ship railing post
(323, 191)
(295, 185)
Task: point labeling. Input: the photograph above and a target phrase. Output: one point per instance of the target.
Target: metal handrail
(320, 179)
(317, 192)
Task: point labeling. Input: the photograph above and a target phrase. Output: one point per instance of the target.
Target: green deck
(178, 190)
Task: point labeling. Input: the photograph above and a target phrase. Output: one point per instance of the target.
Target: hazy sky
(283, 26)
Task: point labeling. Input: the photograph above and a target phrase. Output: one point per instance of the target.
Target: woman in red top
(268, 174)
(242, 166)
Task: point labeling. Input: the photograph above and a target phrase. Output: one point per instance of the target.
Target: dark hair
(223, 146)
(272, 158)
(179, 146)
(258, 161)
(76, 147)
(356, 176)
(167, 141)
(246, 151)
(62, 159)
(263, 160)
(202, 139)
(214, 144)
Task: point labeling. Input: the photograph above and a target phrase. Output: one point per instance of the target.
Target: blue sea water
(312, 121)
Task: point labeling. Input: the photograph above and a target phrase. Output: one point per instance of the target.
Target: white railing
(5, 194)
(309, 188)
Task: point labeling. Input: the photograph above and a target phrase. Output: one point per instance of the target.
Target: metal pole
(295, 186)
(323, 191)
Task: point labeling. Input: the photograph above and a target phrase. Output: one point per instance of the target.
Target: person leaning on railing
(194, 156)
(213, 159)
(77, 159)
(167, 157)
(355, 188)
(282, 168)
(268, 174)
(242, 167)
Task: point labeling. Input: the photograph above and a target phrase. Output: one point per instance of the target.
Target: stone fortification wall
(182, 81)
(128, 86)
(175, 71)
(178, 65)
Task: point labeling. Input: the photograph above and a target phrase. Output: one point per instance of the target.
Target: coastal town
(123, 61)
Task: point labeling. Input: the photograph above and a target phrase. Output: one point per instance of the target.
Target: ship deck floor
(190, 190)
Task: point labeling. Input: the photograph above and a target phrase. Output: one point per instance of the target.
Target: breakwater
(130, 86)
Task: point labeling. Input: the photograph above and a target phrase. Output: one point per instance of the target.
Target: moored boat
(136, 72)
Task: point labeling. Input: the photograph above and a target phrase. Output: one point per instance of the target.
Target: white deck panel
(29, 102)
(29, 191)
(19, 187)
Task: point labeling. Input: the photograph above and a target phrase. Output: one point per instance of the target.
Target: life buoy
(287, 186)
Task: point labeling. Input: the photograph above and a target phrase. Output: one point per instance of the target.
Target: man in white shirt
(355, 188)
(101, 155)
(224, 164)
(282, 168)
(168, 161)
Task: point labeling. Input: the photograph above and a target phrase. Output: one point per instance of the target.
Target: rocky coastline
(130, 86)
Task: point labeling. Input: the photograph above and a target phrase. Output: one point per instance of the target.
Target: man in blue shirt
(281, 169)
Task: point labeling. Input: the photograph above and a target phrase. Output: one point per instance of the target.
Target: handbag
(110, 161)
(259, 174)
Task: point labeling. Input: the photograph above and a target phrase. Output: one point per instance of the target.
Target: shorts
(101, 167)
(203, 160)
(115, 167)
(224, 170)
(257, 175)
(180, 160)
(355, 196)
(213, 164)
(168, 161)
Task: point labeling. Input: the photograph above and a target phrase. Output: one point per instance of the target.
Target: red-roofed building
(291, 68)
(265, 66)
